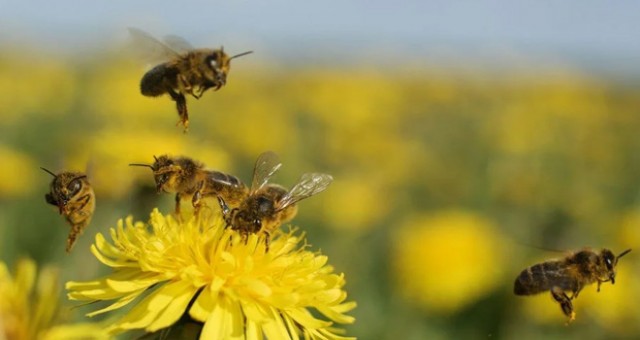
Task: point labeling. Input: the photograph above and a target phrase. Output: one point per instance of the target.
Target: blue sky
(607, 32)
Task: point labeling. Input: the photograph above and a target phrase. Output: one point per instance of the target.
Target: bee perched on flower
(198, 268)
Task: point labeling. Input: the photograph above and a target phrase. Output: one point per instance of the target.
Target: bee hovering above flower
(185, 70)
(74, 197)
(269, 205)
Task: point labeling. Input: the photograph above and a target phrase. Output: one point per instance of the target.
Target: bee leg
(599, 283)
(224, 207)
(565, 302)
(197, 196)
(201, 90)
(177, 210)
(181, 105)
(267, 239)
(575, 292)
(84, 200)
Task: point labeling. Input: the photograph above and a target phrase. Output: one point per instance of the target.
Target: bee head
(610, 262)
(163, 168)
(64, 187)
(220, 62)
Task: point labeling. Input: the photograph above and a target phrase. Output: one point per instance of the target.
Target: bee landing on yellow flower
(29, 306)
(200, 269)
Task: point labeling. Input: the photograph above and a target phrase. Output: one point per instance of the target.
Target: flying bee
(570, 274)
(269, 205)
(74, 197)
(188, 178)
(187, 71)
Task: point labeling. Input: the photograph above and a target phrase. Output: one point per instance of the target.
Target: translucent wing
(225, 179)
(266, 165)
(177, 43)
(149, 48)
(308, 185)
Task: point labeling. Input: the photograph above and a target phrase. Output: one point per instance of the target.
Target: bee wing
(266, 165)
(177, 43)
(149, 48)
(309, 184)
(223, 178)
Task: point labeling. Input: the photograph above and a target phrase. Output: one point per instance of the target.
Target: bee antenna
(155, 158)
(241, 54)
(140, 164)
(51, 173)
(623, 253)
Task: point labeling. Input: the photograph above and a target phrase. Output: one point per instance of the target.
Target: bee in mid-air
(74, 197)
(189, 178)
(570, 274)
(269, 205)
(187, 71)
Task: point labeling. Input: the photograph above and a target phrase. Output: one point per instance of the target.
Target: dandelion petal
(224, 322)
(176, 307)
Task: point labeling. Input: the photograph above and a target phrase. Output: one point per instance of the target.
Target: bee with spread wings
(184, 70)
(269, 205)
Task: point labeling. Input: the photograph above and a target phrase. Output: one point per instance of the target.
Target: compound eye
(608, 263)
(74, 187)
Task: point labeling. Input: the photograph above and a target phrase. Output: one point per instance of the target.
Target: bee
(570, 274)
(189, 178)
(269, 205)
(74, 197)
(188, 71)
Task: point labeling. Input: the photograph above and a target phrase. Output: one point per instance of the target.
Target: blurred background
(463, 138)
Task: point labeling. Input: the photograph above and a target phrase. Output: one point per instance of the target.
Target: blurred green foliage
(441, 176)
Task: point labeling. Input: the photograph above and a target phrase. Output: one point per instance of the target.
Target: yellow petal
(147, 310)
(132, 280)
(203, 306)
(253, 330)
(25, 275)
(109, 262)
(123, 301)
(91, 290)
(274, 328)
(304, 318)
(336, 316)
(255, 311)
(258, 288)
(106, 248)
(224, 322)
(293, 329)
(175, 308)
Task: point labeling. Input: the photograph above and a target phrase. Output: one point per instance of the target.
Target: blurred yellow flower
(236, 289)
(29, 307)
(34, 85)
(16, 179)
(448, 260)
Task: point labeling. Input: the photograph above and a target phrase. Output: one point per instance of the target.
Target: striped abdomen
(544, 276)
(159, 80)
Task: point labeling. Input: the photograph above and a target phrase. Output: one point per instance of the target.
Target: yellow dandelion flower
(448, 260)
(231, 285)
(29, 307)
